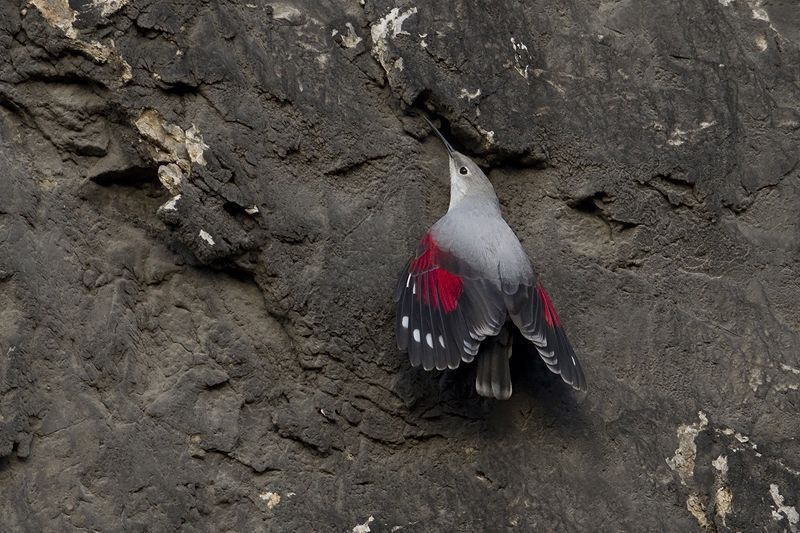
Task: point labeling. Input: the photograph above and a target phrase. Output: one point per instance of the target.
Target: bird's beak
(441, 137)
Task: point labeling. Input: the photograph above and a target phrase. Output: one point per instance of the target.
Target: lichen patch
(109, 7)
(686, 453)
(271, 498)
(206, 236)
(170, 205)
(781, 510)
(351, 38)
(59, 14)
(171, 145)
(364, 528)
(388, 27)
(723, 498)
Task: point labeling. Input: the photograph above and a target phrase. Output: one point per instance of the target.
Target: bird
(470, 288)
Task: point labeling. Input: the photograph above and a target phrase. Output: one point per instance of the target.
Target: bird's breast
(485, 242)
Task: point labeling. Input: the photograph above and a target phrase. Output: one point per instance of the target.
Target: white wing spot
(408, 281)
(574, 362)
(441, 341)
(414, 289)
(416, 335)
(405, 322)
(429, 339)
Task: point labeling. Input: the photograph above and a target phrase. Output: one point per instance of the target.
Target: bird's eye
(463, 170)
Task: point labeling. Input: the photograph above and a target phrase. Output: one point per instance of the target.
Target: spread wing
(444, 310)
(533, 313)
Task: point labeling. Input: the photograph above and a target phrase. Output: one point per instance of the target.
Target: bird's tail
(494, 375)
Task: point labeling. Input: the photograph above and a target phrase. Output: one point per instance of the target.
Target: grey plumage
(493, 377)
(470, 288)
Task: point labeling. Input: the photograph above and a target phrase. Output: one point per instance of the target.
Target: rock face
(204, 205)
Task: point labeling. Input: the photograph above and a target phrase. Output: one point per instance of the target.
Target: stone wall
(204, 206)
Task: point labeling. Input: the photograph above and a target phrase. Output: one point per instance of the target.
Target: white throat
(458, 190)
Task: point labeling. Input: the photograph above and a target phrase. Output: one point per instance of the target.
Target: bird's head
(466, 178)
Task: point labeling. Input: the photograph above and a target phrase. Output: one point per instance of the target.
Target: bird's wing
(444, 310)
(533, 313)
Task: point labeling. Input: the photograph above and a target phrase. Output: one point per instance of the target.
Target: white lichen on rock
(286, 12)
(782, 510)
(391, 23)
(695, 505)
(723, 497)
(759, 13)
(686, 453)
(351, 38)
(521, 65)
(679, 136)
(487, 134)
(170, 204)
(387, 27)
(791, 369)
(175, 148)
(272, 498)
(109, 7)
(171, 177)
(59, 14)
(364, 528)
(470, 96)
(195, 146)
(207, 237)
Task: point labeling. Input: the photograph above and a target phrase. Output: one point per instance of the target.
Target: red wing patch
(534, 314)
(435, 285)
(550, 314)
(443, 314)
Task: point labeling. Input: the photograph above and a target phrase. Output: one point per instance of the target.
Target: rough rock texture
(204, 205)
